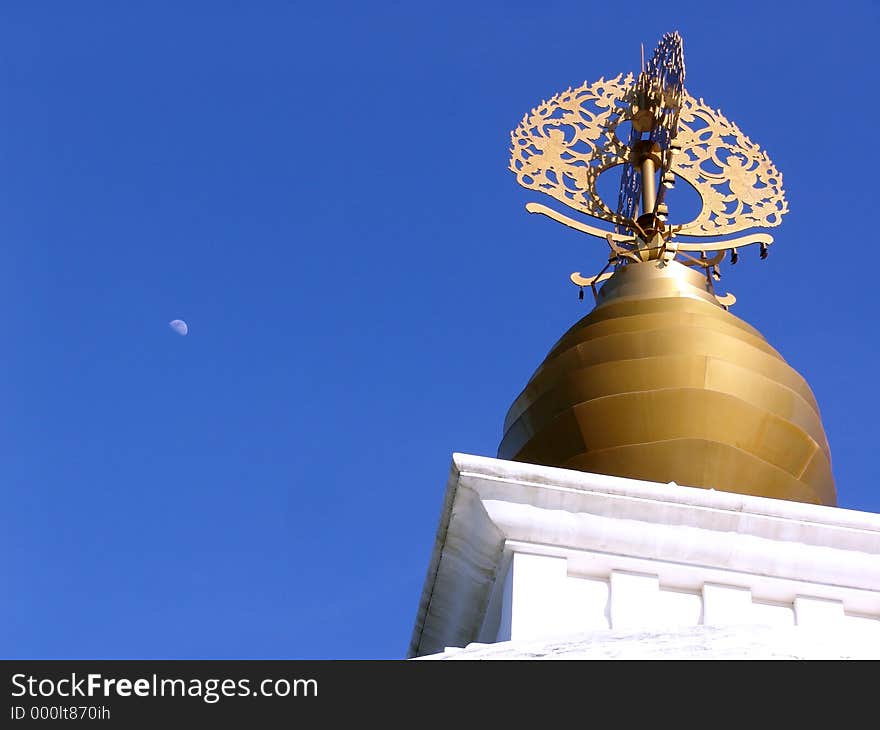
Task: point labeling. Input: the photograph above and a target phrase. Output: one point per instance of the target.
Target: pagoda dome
(661, 383)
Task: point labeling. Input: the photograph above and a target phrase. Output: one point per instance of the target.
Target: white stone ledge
(692, 642)
(491, 503)
(488, 470)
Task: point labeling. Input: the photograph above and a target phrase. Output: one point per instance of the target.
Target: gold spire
(564, 145)
(660, 382)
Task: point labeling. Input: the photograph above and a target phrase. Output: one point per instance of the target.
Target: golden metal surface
(571, 223)
(563, 146)
(739, 185)
(660, 382)
(576, 278)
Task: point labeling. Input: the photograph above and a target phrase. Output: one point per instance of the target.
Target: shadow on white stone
(692, 642)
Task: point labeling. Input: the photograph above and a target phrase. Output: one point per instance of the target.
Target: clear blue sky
(320, 190)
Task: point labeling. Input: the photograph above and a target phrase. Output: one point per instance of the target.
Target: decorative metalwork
(561, 147)
(659, 382)
(656, 104)
(564, 145)
(739, 185)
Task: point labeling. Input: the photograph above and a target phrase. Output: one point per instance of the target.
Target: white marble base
(527, 553)
(691, 642)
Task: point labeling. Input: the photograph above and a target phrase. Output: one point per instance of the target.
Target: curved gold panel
(700, 463)
(678, 373)
(663, 415)
(658, 321)
(632, 307)
(661, 383)
(649, 344)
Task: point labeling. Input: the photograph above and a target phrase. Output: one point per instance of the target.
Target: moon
(179, 326)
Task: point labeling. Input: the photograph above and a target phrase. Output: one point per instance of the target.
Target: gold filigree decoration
(563, 145)
(740, 187)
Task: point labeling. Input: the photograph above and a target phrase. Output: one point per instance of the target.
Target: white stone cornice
(686, 533)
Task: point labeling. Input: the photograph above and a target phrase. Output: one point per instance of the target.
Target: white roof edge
(554, 477)
(490, 503)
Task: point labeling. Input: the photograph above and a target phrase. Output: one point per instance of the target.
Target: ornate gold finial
(562, 147)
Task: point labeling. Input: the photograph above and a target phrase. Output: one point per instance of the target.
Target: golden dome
(659, 382)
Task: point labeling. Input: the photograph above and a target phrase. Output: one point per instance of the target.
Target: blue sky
(321, 192)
